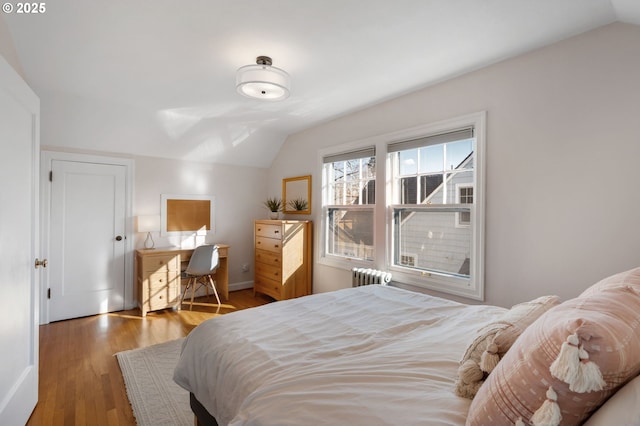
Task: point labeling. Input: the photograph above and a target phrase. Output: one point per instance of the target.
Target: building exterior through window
(433, 197)
(350, 195)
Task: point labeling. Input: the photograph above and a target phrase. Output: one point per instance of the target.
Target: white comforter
(373, 355)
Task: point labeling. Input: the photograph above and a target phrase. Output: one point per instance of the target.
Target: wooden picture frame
(296, 190)
(187, 214)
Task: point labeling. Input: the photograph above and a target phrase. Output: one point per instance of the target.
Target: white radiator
(364, 276)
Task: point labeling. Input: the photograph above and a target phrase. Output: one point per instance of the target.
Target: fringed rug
(148, 376)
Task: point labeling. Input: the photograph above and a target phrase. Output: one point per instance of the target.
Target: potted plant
(298, 204)
(274, 205)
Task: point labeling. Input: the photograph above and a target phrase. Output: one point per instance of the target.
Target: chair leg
(193, 292)
(185, 292)
(213, 286)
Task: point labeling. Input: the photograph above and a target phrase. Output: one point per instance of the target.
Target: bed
(370, 355)
(381, 355)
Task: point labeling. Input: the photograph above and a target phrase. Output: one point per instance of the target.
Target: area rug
(148, 377)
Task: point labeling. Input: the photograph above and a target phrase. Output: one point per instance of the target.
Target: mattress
(375, 355)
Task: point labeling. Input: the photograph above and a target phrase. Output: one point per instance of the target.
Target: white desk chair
(203, 263)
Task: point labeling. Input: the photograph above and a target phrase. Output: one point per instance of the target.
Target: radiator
(364, 276)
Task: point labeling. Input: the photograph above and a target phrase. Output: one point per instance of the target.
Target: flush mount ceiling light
(263, 81)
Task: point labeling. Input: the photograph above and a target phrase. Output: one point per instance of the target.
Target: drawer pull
(259, 229)
(277, 231)
(276, 246)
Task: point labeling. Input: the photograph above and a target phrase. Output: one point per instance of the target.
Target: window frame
(473, 287)
(330, 259)
(383, 214)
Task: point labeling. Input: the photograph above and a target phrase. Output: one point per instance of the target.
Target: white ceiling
(173, 62)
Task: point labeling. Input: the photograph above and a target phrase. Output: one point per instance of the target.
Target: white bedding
(372, 355)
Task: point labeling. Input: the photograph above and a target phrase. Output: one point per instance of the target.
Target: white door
(86, 239)
(19, 280)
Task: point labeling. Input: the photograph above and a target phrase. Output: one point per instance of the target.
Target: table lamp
(149, 224)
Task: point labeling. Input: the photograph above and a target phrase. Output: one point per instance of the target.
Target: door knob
(118, 238)
(42, 263)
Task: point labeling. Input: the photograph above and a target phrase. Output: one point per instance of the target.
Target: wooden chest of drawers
(283, 256)
(158, 280)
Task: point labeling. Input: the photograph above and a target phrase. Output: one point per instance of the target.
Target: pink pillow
(569, 361)
(495, 339)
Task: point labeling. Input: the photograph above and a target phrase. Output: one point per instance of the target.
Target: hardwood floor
(80, 380)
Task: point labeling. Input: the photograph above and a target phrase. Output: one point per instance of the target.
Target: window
(465, 196)
(428, 225)
(408, 260)
(435, 212)
(349, 197)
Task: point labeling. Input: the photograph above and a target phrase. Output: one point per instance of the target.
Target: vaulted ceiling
(157, 77)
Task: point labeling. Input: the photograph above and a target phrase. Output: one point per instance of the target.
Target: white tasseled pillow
(494, 340)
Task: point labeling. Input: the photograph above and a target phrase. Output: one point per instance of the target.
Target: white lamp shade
(149, 223)
(263, 82)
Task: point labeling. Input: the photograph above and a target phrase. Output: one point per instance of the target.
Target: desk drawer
(269, 231)
(269, 244)
(161, 298)
(160, 263)
(159, 280)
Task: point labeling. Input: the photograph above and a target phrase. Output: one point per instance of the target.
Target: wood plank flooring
(80, 380)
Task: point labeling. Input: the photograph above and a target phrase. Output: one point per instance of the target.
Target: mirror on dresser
(296, 195)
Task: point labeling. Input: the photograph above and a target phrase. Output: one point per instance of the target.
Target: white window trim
(341, 262)
(382, 233)
(472, 288)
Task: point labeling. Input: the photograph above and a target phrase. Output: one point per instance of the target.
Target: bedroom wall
(238, 192)
(563, 144)
(8, 50)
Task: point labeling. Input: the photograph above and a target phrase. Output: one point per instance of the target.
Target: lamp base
(149, 244)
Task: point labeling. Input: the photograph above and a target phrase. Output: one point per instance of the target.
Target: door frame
(46, 159)
(22, 397)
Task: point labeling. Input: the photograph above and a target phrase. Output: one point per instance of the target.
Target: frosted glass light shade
(150, 223)
(263, 82)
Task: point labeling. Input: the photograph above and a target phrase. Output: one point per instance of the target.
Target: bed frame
(202, 416)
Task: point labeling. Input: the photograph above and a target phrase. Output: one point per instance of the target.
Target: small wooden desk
(159, 272)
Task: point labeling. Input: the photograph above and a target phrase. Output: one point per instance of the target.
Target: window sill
(441, 283)
(344, 263)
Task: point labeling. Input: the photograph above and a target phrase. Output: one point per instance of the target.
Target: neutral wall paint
(173, 133)
(8, 50)
(239, 192)
(563, 144)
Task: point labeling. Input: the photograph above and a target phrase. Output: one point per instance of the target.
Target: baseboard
(241, 285)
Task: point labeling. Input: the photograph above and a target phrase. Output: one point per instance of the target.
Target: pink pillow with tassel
(569, 361)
